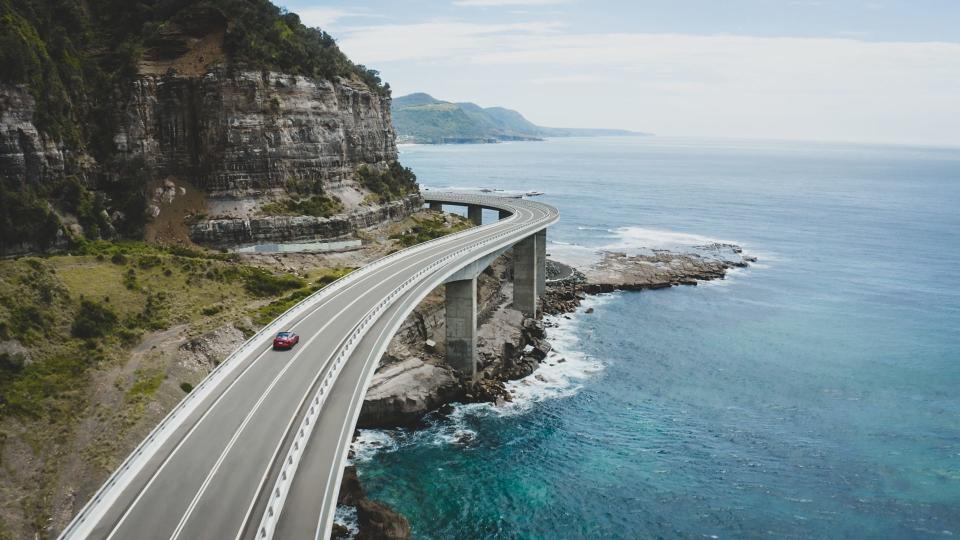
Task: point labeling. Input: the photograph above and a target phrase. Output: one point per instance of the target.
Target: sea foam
(559, 375)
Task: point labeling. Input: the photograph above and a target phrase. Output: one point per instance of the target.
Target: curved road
(258, 448)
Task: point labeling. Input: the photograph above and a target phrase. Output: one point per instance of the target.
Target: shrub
(393, 183)
(186, 387)
(149, 261)
(212, 310)
(259, 282)
(130, 280)
(318, 206)
(26, 319)
(332, 275)
(428, 229)
(93, 320)
(145, 384)
(11, 364)
(274, 309)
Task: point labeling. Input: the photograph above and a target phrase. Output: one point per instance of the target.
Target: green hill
(421, 118)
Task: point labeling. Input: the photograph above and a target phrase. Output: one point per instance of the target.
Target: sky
(871, 71)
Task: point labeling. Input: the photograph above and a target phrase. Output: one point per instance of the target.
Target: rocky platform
(414, 380)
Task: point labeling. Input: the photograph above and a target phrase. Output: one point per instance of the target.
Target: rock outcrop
(374, 519)
(26, 155)
(401, 393)
(236, 231)
(619, 271)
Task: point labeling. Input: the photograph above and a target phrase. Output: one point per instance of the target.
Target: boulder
(541, 348)
(401, 393)
(377, 520)
(351, 492)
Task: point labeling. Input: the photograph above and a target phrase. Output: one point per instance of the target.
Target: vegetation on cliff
(429, 228)
(317, 206)
(77, 61)
(393, 183)
(65, 50)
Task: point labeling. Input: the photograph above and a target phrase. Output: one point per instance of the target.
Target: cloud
(826, 88)
(487, 3)
(435, 39)
(324, 17)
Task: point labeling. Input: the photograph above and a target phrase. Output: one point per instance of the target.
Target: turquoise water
(814, 395)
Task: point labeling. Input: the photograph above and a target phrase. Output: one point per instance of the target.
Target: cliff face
(242, 138)
(24, 153)
(233, 133)
(234, 106)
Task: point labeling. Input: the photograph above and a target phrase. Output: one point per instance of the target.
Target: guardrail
(281, 488)
(117, 481)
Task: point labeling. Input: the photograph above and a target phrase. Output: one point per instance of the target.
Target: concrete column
(525, 275)
(475, 213)
(504, 214)
(541, 262)
(436, 206)
(461, 322)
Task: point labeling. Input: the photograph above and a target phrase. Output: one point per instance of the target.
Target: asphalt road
(211, 474)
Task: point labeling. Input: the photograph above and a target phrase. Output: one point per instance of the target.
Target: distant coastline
(422, 119)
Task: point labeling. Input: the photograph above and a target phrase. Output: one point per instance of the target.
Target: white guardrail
(83, 523)
(281, 488)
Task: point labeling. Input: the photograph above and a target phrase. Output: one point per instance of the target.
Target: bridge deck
(211, 473)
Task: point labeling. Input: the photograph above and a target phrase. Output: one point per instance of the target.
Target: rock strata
(239, 231)
(235, 132)
(26, 155)
(242, 138)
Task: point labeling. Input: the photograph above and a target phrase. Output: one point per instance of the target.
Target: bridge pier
(541, 262)
(438, 207)
(461, 323)
(525, 270)
(475, 213)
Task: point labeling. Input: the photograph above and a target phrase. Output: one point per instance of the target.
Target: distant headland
(421, 118)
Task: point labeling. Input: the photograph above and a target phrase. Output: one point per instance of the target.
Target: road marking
(441, 248)
(324, 369)
(350, 420)
(256, 407)
(220, 397)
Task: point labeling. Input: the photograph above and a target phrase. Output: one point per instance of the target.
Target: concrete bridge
(257, 449)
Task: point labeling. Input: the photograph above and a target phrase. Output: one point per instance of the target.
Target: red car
(285, 340)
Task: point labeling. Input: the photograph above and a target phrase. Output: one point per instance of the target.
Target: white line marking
(322, 371)
(302, 350)
(212, 406)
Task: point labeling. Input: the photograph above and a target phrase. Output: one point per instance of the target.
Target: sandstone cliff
(234, 101)
(243, 139)
(243, 133)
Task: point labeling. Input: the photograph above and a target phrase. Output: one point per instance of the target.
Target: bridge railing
(117, 481)
(281, 488)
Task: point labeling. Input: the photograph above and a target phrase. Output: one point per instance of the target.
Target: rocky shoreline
(413, 380)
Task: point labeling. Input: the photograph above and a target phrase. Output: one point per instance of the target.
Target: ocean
(815, 394)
